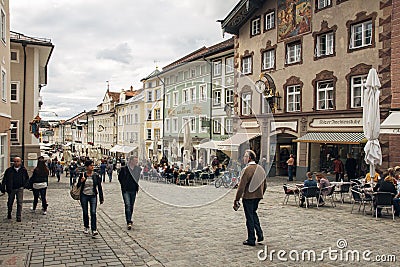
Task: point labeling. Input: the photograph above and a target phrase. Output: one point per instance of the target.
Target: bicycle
(223, 179)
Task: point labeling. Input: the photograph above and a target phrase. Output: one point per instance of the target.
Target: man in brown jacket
(251, 188)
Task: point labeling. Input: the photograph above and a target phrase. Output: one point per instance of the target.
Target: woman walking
(39, 181)
(90, 184)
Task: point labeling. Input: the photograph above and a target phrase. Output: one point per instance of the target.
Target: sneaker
(86, 230)
(44, 212)
(129, 226)
(94, 232)
(32, 210)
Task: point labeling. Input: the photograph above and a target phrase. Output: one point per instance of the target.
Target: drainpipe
(23, 105)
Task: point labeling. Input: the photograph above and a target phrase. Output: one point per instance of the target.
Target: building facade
(29, 61)
(307, 62)
(5, 104)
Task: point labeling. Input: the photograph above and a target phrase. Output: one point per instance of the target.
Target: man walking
(15, 179)
(128, 177)
(251, 188)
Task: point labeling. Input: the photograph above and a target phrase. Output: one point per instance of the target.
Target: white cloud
(117, 41)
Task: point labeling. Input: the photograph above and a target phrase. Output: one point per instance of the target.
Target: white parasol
(371, 121)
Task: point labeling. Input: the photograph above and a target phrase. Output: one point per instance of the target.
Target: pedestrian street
(192, 231)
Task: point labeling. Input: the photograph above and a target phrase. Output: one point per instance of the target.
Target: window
(228, 126)
(3, 152)
(217, 66)
(268, 59)
(157, 114)
(148, 135)
(217, 126)
(3, 26)
(203, 124)
(357, 89)
(3, 85)
(158, 94)
(255, 26)
(293, 98)
(270, 20)
(149, 96)
(192, 92)
(229, 65)
(167, 125)
(167, 100)
(192, 124)
(325, 95)
(185, 96)
(229, 95)
(14, 92)
(246, 65)
(174, 125)
(203, 93)
(193, 73)
(136, 118)
(323, 3)
(361, 34)
(217, 98)
(293, 53)
(157, 134)
(175, 98)
(246, 103)
(14, 55)
(14, 131)
(325, 44)
(149, 114)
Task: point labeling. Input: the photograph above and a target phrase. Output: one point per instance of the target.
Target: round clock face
(260, 86)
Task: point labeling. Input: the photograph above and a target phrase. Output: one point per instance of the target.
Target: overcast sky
(116, 41)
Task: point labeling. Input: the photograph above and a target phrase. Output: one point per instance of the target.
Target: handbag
(75, 192)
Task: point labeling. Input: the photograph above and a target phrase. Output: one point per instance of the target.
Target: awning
(332, 138)
(212, 144)
(236, 140)
(391, 125)
(115, 148)
(122, 149)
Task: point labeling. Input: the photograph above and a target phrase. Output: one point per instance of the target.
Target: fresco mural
(294, 18)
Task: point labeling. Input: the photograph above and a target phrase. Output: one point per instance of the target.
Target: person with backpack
(128, 177)
(39, 182)
(90, 183)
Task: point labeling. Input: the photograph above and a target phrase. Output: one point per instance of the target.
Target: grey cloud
(121, 53)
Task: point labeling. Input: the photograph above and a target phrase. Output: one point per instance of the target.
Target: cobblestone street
(167, 235)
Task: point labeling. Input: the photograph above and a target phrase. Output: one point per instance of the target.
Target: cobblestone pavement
(206, 235)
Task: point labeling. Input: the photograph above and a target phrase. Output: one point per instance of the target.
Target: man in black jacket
(128, 177)
(15, 179)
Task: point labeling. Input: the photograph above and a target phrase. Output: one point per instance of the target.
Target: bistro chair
(329, 194)
(310, 193)
(361, 199)
(290, 191)
(383, 200)
(343, 189)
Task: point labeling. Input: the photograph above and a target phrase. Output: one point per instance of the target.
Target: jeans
(103, 176)
(129, 201)
(19, 193)
(85, 202)
(42, 193)
(252, 222)
(290, 171)
(396, 204)
(109, 176)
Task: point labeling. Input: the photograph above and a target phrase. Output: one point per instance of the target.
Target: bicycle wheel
(226, 181)
(218, 182)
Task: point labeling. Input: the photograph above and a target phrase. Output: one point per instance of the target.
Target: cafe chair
(383, 200)
(329, 194)
(342, 190)
(290, 191)
(310, 193)
(360, 199)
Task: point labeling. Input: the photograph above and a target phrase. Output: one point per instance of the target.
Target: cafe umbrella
(371, 121)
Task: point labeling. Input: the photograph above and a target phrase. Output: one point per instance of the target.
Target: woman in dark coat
(39, 182)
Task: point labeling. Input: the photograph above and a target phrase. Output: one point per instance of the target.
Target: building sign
(292, 125)
(342, 122)
(390, 131)
(294, 18)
